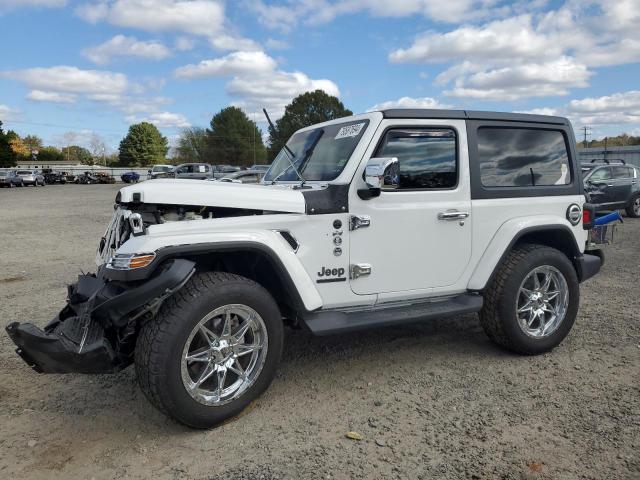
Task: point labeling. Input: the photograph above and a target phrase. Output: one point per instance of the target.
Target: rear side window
(622, 172)
(427, 157)
(522, 157)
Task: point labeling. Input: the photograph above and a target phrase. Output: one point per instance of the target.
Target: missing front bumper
(75, 345)
(95, 332)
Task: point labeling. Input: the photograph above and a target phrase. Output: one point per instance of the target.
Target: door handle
(452, 215)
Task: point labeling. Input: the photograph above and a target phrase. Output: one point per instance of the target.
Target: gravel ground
(436, 400)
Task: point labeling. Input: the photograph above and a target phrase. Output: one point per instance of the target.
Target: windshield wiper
(290, 156)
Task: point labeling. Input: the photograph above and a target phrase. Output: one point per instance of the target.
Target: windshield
(4, 174)
(24, 172)
(319, 154)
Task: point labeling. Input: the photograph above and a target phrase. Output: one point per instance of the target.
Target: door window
(601, 174)
(427, 158)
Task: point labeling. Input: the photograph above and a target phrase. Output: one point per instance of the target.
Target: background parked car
(130, 177)
(262, 168)
(244, 176)
(160, 171)
(52, 176)
(610, 186)
(31, 177)
(9, 178)
(220, 171)
(87, 178)
(194, 171)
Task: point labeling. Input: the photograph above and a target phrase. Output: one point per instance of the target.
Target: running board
(329, 322)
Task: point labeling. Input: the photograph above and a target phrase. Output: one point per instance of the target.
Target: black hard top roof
(472, 115)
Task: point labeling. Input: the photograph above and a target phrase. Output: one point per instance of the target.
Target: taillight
(588, 216)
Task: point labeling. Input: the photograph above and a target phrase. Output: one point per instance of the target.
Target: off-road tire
(630, 207)
(160, 343)
(498, 314)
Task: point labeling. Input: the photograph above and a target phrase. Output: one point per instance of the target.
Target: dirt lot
(436, 400)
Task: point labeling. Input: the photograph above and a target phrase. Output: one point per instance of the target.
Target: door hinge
(359, 221)
(359, 270)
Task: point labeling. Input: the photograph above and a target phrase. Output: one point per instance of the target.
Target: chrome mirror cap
(382, 173)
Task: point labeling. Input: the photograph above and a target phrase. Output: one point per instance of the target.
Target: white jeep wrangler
(373, 220)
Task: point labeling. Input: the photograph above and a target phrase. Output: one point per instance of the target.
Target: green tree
(304, 110)
(75, 153)
(192, 145)
(8, 157)
(50, 154)
(234, 139)
(33, 142)
(143, 145)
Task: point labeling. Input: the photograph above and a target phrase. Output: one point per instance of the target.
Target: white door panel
(407, 245)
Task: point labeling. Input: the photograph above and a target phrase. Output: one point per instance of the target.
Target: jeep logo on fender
(328, 274)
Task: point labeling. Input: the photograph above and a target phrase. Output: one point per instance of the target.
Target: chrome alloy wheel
(224, 354)
(636, 206)
(542, 302)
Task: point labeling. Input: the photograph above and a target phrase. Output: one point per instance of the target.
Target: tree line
(623, 140)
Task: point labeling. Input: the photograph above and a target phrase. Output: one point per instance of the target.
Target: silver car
(31, 177)
(9, 178)
(194, 171)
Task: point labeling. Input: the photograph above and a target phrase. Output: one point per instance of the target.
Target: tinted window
(622, 172)
(427, 158)
(522, 157)
(601, 174)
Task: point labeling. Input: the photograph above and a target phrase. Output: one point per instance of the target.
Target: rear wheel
(212, 349)
(633, 209)
(532, 302)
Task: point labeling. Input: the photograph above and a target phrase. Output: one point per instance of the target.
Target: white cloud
(184, 43)
(275, 44)
(13, 4)
(122, 46)
(292, 13)
(195, 17)
(163, 120)
(531, 54)
(409, 102)
(256, 80)
(53, 97)
(521, 81)
(68, 79)
(236, 63)
(615, 110)
(7, 113)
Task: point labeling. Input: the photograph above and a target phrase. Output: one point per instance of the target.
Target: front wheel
(213, 348)
(532, 302)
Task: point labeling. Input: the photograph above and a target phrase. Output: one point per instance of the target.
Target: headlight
(130, 261)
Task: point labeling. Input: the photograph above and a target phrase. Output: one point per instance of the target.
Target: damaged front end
(97, 329)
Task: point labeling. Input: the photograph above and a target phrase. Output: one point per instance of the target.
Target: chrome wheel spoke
(237, 369)
(552, 295)
(222, 377)
(239, 335)
(208, 335)
(244, 349)
(201, 355)
(204, 376)
(226, 326)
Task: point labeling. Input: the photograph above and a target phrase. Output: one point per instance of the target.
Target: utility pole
(587, 131)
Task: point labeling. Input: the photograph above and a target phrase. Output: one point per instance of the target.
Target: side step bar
(329, 322)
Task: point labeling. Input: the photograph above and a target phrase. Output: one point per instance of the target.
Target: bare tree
(98, 147)
(69, 138)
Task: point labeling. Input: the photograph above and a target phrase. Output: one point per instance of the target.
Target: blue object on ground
(608, 218)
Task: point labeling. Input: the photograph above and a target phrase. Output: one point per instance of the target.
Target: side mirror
(380, 174)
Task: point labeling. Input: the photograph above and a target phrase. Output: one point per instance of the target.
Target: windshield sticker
(350, 131)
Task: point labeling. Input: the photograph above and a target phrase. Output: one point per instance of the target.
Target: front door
(419, 237)
(622, 178)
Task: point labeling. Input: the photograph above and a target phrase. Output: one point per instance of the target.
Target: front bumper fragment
(93, 333)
